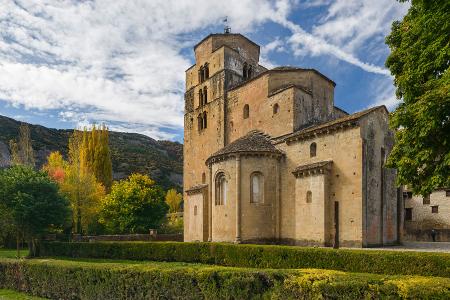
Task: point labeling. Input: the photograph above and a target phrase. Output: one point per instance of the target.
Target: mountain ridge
(130, 152)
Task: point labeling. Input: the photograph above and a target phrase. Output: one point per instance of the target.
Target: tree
(135, 205)
(22, 151)
(80, 185)
(419, 61)
(34, 203)
(95, 155)
(173, 199)
(55, 166)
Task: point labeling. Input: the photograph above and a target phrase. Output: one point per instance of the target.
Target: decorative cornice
(197, 189)
(321, 167)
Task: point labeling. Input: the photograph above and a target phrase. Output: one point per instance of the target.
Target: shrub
(93, 279)
(262, 256)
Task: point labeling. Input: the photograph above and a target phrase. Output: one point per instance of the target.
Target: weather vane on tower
(226, 29)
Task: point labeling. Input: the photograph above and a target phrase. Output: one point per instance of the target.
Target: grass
(13, 295)
(12, 253)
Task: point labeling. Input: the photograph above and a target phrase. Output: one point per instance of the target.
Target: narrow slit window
(313, 150)
(246, 111)
(256, 188)
(308, 197)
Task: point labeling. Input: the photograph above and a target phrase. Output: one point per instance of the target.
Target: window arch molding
(221, 188)
(256, 187)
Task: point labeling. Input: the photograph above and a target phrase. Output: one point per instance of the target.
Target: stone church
(269, 158)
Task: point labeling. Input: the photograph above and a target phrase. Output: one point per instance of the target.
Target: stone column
(278, 200)
(210, 204)
(238, 199)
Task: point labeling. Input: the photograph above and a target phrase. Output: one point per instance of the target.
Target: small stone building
(424, 213)
(269, 158)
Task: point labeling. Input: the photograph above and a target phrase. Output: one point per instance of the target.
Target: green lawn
(13, 295)
(12, 253)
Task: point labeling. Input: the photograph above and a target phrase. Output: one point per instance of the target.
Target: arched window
(249, 72)
(246, 111)
(200, 122)
(203, 177)
(276, 108)
(221, 189)
(256, 188)
(205, 120)
(308, 197)
(206, 71)
(312, 149)
(205, 95)
(200, 97)
(244, 71)
(195, 210)
(202, 74)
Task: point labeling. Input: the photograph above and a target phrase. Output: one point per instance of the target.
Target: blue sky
(66, 64)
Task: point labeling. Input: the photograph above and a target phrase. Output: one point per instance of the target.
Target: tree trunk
(18, 245)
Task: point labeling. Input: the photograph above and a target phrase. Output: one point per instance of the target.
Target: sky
(67, 64)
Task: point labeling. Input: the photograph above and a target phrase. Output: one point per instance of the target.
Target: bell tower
(221, 61)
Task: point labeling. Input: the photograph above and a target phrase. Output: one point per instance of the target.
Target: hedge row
(59, 279)
(262, 256)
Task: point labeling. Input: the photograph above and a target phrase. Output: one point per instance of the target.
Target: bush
(59, 279)
(262, 256)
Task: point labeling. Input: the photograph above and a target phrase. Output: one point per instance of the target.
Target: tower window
(426, 200)
(249, 72)
(244, 71)
(256, 187)
(221, 189)
(276, 108)
(206, 70)
(308, 197)
(312, 149)
(202, 74)
(195, 210)
(205, 120)
(203, 177)
(200, 122)
(246, 111)
(200, 97)
(205, 95)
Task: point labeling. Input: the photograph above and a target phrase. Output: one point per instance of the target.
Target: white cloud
(115, 61)
(121, 62)
(383, 91)
(352, 24)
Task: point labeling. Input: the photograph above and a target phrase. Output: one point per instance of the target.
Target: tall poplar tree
(21, 150)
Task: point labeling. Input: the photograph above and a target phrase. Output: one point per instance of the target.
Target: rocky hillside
(131, 152)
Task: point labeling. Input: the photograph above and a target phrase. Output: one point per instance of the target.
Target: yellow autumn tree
(81, 186)
(173, 199)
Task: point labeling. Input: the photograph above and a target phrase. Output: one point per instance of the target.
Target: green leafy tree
(173, 199)
(419, 62)
(34, 203)
(135, 205)
(22, 151)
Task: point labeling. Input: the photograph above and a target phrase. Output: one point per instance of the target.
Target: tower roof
(254, 141)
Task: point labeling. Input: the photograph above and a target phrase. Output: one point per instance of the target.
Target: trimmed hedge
(262, 256)
(59, 279)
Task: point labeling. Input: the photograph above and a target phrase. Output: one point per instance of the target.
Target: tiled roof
(253, 142)
(314, 128)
